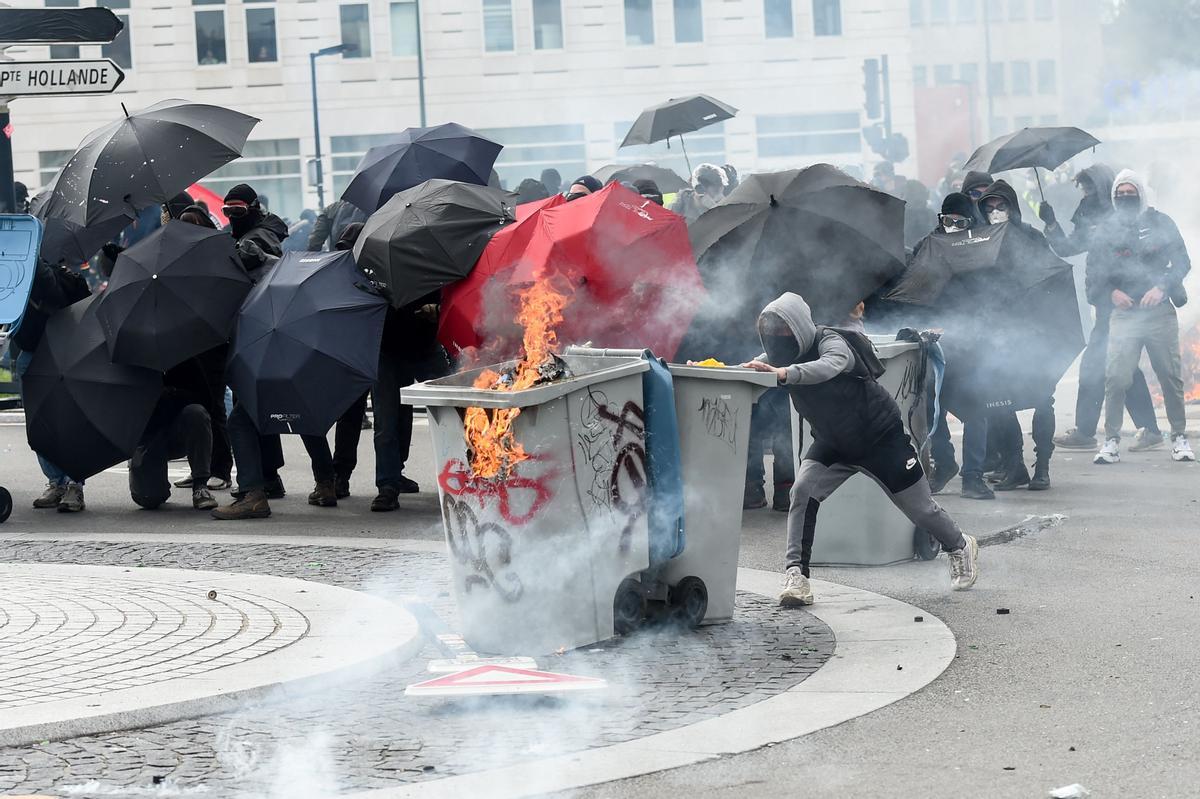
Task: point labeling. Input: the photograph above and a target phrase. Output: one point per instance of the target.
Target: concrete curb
(333, 647)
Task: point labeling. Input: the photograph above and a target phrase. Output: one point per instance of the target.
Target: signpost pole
(8, 195)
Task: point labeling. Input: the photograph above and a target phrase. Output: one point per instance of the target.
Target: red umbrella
(214, 201)
(627, 259)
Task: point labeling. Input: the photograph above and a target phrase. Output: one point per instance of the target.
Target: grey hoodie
(834, 354)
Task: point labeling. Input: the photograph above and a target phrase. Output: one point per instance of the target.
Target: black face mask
(575, 195)
(241, 225)
(781, 350)
(1127, 205)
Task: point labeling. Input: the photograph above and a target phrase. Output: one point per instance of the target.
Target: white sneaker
(964, 565)
(796, 591)
(1109, 453)
(1181, 450)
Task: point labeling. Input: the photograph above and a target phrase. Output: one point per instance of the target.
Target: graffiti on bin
(613, 448)
(484, 549)
(720, 420)
(909, 383)
(517, 498)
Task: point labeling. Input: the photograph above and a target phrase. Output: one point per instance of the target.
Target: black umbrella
(306, 345)
(82, 412)
(666, 180)
(1030, 148)
(172, 295)
(676, 117)
(146, 158)
(450, 152)
(71, 242)
(429, 236)
(1008, 308)
(815, 231)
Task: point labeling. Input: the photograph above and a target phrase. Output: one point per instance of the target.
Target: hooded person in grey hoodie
(856, 427)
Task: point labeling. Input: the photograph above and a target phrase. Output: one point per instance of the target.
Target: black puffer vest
(850, 412)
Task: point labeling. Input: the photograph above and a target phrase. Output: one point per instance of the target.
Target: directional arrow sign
(502, 680)
(59, 25)
(25, 78)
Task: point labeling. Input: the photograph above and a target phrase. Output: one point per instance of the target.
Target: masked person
(582, 187)
(649, 189)
(856, 427)
(1093, 213)
(708, 189)
(1139, 261)
(331, 223)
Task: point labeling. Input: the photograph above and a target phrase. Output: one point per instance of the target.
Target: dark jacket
(409, 335)
(330, 223)
(183, 385)
(54, 288)
(1090, 214)
(260, 246)
(1136, 256)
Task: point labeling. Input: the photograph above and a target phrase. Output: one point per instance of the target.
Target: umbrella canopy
(626, 260)
(666, 180)
(172, 295)
(1008, 308)
(817, 232)
(83, 412)
(306, 345)
(1030, 147)
(146, 158)
(676, 117)
(430, 235)
(70, 242)
(450, 152)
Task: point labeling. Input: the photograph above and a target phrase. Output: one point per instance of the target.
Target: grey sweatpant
(1156, 330)
(893, 464)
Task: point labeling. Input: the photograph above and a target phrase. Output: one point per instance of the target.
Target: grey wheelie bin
(858, 525)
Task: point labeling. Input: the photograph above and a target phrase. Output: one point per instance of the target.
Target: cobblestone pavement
(366, 734)
(66, 636)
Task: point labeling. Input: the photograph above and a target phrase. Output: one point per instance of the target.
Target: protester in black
(331, 223)
(856, 427)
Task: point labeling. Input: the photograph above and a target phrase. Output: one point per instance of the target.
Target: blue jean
(53, 474)
(974, 446)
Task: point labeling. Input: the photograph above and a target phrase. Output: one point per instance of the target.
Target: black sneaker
(754, 498)
(942, 475)
(342, 488)
(782, 500)
(407, 486)
(975, 488)
(1017, 477)
(387, 500)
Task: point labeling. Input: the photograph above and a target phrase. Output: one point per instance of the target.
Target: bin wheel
(689, 601)
(5, 504)
(925, 545)
(629, 607)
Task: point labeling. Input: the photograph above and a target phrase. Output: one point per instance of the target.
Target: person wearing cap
(258, 233)
(582, 187)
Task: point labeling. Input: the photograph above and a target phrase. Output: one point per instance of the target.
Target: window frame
(208, 8)
(675, 21)
(650, 16)
(836, 5)
(250, 6)
(1041, 74)
(512, 27)
(357, 54)
(562, 28)
(791, 15)
(416, 29)
(121, 10)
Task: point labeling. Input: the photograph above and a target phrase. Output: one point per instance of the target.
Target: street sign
(503, 680)
(464, 662)
(59, 25)
(32, 78)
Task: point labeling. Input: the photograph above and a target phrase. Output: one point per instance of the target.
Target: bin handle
(602, 352)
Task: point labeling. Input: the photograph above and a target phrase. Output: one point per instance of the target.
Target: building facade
(558, 82)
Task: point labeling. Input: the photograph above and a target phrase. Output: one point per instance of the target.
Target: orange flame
(492, 448)
(1191, 364)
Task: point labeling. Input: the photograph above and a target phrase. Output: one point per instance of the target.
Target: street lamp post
(336, 49)
(420, 65)
(987, 66)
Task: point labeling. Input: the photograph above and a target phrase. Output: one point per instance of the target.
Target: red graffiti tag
(457, 480)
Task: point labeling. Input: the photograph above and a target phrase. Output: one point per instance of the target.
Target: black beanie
(592, 184)
(958, 203)
(242, 192)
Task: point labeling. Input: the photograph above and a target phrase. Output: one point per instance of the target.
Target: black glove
(1046, 212)
(251, 254)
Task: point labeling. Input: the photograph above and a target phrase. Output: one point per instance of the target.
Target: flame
(1191, 364)
(492, 448)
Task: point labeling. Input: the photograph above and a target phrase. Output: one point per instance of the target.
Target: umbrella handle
(1038, 175)
(686, 160)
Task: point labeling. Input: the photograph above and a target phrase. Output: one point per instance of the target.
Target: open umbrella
(450, 152)
(625, 259)
(676, 117)
(69, 242)
(666, 180)
(83, 412)
(817, 232)
(1030, 148)
(306, 346)
(146, 158)
(172, 295)
(1008, 308)
(430, 235)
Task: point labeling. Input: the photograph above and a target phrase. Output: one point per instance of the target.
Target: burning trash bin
(858, 525)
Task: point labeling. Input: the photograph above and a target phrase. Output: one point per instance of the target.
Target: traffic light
(871, 88)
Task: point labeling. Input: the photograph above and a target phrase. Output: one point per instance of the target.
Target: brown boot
(253, 505)
(324, 495)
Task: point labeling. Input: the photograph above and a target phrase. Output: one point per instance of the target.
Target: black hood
(1001, 189)
(975, 180)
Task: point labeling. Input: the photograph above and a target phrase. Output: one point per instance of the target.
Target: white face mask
(996, 217)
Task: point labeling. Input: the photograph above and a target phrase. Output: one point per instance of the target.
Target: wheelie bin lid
(764, 379)
(20, 238)
(887, 346)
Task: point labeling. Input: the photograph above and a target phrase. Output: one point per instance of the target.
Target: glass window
(689, 21)
(273, 168)
(995, 10)
(260, 35)
(63, 50)
(119, 49)
(996, 78)
(50, 162)
(529, 150)
(827, 17)
(969, 73)
(920, 75)
(1017, 10)
(966, 12)
(777, 17)
(1021, 78)
(1043, 9)
(210, 37)
(497, 26)
(788, 135)
(547, 25)
(916, 13)
(404, 21)
(639, 22)
(356, 29)
(943, 74)
(1047, 77)
(939, 12)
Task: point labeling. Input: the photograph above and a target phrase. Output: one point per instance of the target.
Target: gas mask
(995, 217)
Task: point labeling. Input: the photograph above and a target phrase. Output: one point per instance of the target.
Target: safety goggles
(235, 211)
(957, 223)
